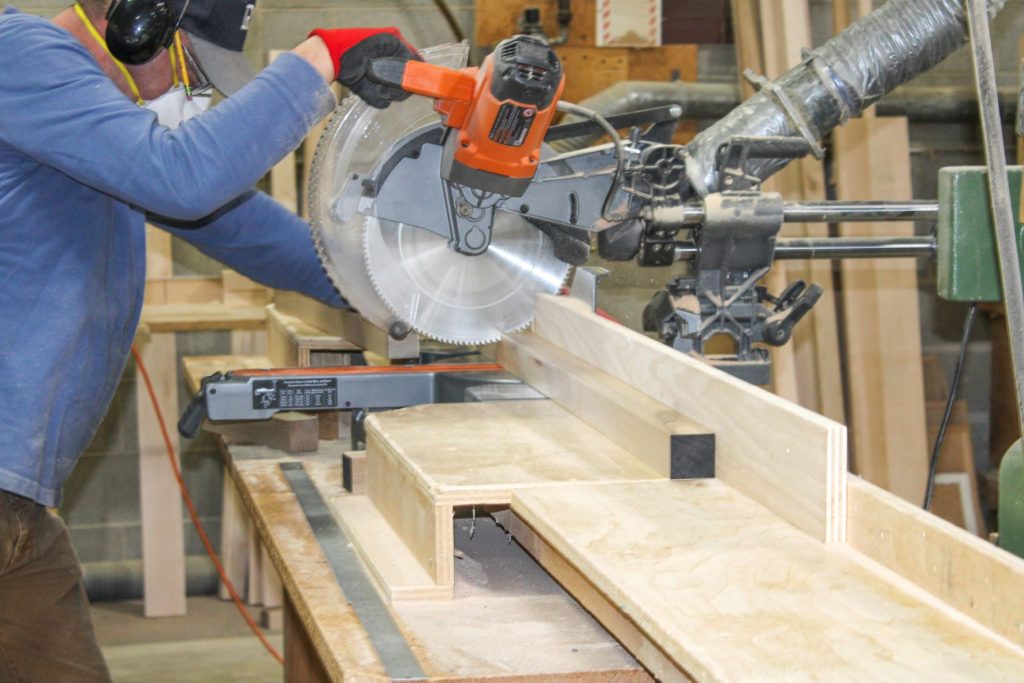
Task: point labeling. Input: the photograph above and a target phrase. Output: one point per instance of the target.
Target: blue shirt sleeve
(264, 241)
(66, 113)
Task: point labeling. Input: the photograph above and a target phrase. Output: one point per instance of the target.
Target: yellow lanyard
(181, 60)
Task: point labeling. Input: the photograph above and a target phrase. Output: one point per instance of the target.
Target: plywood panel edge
(542, 528)
(788, 458)
(592, 599)
(974, 577)
(423, 525)
(395, 571)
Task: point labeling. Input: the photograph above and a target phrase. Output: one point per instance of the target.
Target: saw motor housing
(496, 115)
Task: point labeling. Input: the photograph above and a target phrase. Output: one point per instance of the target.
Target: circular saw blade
(456, 298)
(399, 276)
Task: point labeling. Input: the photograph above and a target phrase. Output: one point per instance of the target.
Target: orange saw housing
(497, 114)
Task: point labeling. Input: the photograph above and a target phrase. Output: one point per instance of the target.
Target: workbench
(485, 632)
(778, 567)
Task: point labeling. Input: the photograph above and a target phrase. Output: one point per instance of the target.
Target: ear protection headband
(138, 29)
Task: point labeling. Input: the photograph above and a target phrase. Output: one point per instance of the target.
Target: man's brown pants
(46, 632)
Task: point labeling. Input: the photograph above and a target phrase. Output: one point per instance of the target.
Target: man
(90, 148)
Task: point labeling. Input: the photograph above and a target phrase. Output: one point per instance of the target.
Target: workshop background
(101, 504)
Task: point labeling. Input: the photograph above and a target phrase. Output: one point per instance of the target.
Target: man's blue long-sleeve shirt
(80, 167)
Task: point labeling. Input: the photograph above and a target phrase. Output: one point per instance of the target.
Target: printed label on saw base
(512, 124)
(295, 394)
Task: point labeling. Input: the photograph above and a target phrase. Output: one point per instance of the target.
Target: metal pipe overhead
(859, 212)
(800, 248)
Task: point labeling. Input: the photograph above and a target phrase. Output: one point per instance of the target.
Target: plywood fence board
(659, 436)
(968, 573)
(781, 455)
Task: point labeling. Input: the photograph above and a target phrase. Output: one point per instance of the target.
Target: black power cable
(449, 17)
(954, 387)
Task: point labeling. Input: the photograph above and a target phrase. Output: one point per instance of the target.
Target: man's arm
(58, 107)
(263, 241)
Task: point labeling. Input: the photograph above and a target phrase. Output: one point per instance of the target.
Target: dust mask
(174, 107)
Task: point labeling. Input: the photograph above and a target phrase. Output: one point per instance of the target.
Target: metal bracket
(584, 284)
(822, 71)
(776, 93)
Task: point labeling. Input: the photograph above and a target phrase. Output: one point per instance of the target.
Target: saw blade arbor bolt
(398, 330)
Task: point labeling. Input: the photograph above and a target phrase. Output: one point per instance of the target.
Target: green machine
(968, 271)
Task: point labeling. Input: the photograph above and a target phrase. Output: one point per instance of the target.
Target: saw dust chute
(400, 277)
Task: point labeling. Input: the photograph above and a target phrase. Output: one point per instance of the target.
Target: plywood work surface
(474, 453)
(732, 593)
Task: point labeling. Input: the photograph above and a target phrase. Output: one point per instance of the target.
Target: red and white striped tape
(618, 17)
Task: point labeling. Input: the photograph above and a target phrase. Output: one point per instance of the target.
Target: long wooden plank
(786, 30)
(734, 593)
(882, 321)
(163, 540)
(785, 457)
(656, 434)
(750, 54)
(970, 574)
(194, 317)
(234, 538)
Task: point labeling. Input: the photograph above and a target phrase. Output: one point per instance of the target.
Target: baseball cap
(217, 30)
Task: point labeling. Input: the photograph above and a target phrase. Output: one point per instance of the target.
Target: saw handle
(452, 89)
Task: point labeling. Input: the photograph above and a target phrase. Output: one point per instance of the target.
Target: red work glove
(352, 50)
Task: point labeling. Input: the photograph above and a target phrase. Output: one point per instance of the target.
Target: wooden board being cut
(787, 458)
(732, 593)
(422, 462)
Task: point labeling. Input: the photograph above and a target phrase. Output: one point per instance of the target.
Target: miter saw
(450, 225)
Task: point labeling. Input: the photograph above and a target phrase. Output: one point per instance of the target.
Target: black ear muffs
(138, 29)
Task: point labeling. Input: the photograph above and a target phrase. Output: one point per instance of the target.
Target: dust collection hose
(838, 80)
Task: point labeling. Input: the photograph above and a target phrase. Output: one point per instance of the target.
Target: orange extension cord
(195, 515)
